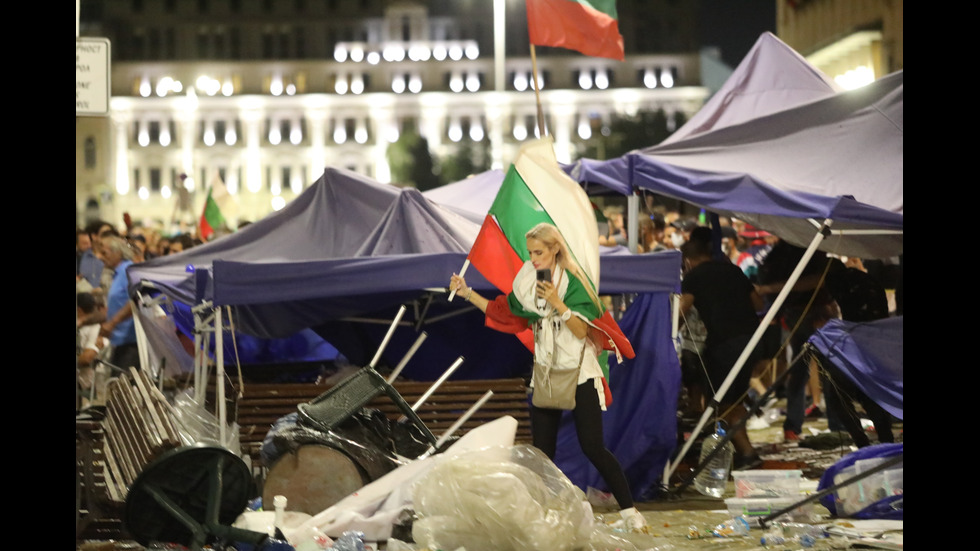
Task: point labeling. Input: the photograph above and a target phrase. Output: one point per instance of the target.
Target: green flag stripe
(607, 7)
(212, 213)
(517, 210)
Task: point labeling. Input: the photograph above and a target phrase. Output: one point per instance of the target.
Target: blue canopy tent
(345, 255)
(823, 172)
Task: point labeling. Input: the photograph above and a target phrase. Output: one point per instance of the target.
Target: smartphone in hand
(544, 274)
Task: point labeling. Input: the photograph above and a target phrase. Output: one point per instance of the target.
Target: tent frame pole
(219, 374)
(740, 363)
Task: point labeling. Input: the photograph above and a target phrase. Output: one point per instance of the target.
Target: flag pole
(537, 93)
(462, 272)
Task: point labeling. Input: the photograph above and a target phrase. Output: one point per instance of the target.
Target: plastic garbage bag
(507, 499)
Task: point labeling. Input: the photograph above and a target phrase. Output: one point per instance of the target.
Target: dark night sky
(735, 25)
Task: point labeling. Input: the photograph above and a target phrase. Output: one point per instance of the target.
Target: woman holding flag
(558, 307)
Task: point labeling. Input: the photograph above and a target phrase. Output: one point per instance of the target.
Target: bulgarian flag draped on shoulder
(536, 190)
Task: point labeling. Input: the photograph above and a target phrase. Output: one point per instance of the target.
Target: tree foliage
(411, 162)
(624, 133)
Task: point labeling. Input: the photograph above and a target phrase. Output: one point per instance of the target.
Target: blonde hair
(550, 236)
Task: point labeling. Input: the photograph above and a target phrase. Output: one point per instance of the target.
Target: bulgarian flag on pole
(212, 217)
(536, 190)
(587, 26)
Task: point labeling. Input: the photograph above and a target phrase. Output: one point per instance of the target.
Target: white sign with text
(91, 76)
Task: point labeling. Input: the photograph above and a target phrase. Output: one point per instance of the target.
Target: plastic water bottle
(713, 478)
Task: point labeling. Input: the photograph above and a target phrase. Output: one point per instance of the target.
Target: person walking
(728, 305)
(558, 308)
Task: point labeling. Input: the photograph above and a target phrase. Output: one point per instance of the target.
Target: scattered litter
(599, 499)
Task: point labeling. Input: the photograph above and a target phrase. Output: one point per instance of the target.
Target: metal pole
(219, 375)
(408, 356)
(499, 44)
(391, 330)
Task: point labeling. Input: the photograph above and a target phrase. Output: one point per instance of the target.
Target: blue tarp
(871, 355)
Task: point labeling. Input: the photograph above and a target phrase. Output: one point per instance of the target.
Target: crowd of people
(105, 333)
(732, 276)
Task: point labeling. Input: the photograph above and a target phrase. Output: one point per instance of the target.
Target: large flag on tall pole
(217, 207)
(587, 26)
(536, 190)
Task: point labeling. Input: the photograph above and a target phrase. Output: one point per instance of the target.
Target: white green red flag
(213, 217)
(590, 27)
(536, 190)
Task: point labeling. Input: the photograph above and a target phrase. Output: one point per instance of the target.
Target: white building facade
(268, 127)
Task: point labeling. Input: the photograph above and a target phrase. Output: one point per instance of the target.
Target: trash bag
(513, 500)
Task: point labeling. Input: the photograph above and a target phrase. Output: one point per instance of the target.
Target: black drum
(315, 469)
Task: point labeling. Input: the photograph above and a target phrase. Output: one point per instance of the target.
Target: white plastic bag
(485, 502)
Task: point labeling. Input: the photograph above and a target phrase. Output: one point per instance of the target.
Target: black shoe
(747, 463)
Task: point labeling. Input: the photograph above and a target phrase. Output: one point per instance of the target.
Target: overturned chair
(334, 444)
(168, 489)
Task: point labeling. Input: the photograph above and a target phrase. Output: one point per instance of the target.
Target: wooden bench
(111, 453)
(262, 404)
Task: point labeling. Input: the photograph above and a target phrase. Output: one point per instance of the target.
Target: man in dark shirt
(728, 305)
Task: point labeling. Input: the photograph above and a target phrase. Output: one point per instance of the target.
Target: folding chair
(333, 407)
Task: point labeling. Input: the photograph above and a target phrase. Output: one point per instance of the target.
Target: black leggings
(588, 427)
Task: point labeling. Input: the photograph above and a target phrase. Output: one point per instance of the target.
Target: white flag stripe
(227, 203)
(564, 200)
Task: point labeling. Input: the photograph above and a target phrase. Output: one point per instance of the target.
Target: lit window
(275, 135)
(361, 134)
(649, 78)
(455, 131)
(476, 131)
(415, 84)
(208, 137)
(602, 79)
(357, 84)
(520, 81)
(584, 128)
(456, 82)
(275, 88)
(398, 84)
(520, 131)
